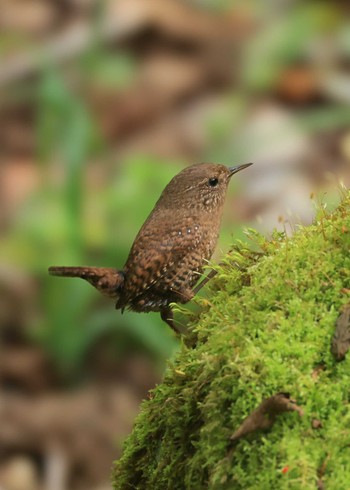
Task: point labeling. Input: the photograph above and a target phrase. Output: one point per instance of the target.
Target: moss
(267, 328)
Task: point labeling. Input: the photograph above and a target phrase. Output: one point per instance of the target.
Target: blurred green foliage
(66, 223)
(287, 39)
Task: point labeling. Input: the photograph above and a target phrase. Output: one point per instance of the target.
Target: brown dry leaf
(83, 427)
(298, 84)
(265, 415)
(316, 372)
(316, 424)
(30, 16)
(320, 485)
(341, 339)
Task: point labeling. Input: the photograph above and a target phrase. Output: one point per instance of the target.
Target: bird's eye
(213, 182)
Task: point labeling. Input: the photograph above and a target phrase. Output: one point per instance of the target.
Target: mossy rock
(267, 328)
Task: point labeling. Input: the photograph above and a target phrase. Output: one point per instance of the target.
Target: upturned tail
(107, 280)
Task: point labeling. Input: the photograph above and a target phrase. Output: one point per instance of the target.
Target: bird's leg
(167, 316)
(207, 278)
(186, 294)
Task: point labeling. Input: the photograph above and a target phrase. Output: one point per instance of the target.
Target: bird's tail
(107, 280)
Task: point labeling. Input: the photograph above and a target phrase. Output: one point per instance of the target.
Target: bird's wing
(156, 262)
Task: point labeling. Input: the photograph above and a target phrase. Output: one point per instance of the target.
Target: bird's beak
(234, 170)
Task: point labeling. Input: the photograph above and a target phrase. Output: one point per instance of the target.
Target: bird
(172, 247)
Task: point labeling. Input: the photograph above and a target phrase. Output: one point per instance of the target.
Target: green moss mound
(267, 329)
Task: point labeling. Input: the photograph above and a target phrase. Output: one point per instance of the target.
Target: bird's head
(203, 186)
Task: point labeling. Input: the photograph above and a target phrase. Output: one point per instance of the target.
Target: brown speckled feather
(163, 270)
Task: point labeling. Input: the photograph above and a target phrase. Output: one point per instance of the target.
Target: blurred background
(101, 104)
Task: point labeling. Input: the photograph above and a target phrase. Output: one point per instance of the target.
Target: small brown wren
(169, 252)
